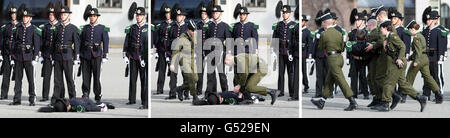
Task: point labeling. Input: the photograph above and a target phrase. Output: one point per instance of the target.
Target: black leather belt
(432, 49)
(333, 52)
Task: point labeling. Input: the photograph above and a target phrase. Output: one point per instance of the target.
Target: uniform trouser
(252, 84)
(434, 72)
(358, 74)
(46, 74)
(211, 77)
(284, 65)
(162, 68)
(305, 80)
(335, 75)
(424, 69)
(321, 73)
(60, 68)
(396, 76)
(19, 66)
(135, 70)
(91, 69)
(295, 82)
(188, 83)
(6, 69)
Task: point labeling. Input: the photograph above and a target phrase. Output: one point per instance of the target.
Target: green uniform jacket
(418, 46)
(331, 40)
(397, 45)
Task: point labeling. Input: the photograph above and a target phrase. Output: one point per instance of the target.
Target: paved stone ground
(334, 107)
(114, 89)
(161, 108)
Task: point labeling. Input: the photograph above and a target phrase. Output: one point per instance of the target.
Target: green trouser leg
(380, 74)
(189, 83)
(371, 77)
(335, 74)
(390, 82)
(405, 87)
(252, 84)
(424, 69)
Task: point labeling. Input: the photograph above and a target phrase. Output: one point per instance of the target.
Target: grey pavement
(114, 89)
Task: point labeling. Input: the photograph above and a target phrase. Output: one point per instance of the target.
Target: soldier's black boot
(353, 105)
(170, 94)
(273, 94)
(395, 100)
(179, 93)
(194, 99)
(403, 98)
(422, 100)
(319, 103)
(383, 107)
(439, 98)
(374, 102)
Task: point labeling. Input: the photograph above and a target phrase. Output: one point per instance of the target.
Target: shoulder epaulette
(3, 28)
(255, 26)
(127, 29)
(38, 30)
(407, 32)
(106, 29)
(274, 26)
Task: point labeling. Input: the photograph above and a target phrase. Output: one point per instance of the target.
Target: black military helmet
(318, 20)
(60, 105)
(180, 11)
(28, 12)
(65, 9)
(238, 10)
(326, 16)
(426, 14)
(394, 13)
(354, 16)
(296, 13)
(200, 8)
(305, 17)
(217, 8)
(50, 8)
(164, 9)
(411, 24)
(134, 9)
(386, 23)
(11, 8)
(433, 15)
(280, 8)
(379, 9)
(191, 25)
(89, 11)
(213, 99)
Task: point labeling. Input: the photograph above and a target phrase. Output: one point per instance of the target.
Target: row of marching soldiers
(211, 27)
(381, 44)
(59, 45)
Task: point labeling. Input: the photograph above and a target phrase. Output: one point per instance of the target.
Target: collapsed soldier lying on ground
(77, 105)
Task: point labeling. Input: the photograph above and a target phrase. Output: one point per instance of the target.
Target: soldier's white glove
(77, 61)
(310, 60)
(104, 60)
(142, 63)
(441, 59)
(274, 56)
(156, 56)
(41, 60)
(167, 59)
(445, 56)
(35, 61)
(347, 61)
(291, 58)
(126, 60)
(12, 63)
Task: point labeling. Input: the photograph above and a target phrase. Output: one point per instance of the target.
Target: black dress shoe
(170, 97)
(14, 103)
(383, 107)
(32, 104)
(293, 99)
(439, 98)
(3, 98)
(158, 93)
(423, 101)
(353, 105)
(374, 102)
(273, 93)
(143, 107)
(319, 103)
(395, 100)
(43, 100)
(187, 98)
(281, 94)
(130, 103)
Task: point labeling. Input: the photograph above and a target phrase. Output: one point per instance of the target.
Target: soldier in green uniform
(332, 42)
(419, 59)
(393, 51)
(250, 70)
(183, 55)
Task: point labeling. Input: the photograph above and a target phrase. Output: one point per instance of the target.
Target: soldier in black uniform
(162, 46)
(219, 31)
(318, 57)
(7, 45)
(134, 45)
(436, 39)
(65, 53)
(176, 30)
(282, 32)
(244, 32)
(93, 52)
(202, 13)
(25, 56)
(45, 58)
(295, 51)
(307, 43)
(358, 63)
